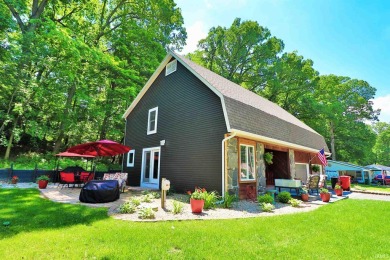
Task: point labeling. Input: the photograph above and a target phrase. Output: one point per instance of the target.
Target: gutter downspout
(223, 161)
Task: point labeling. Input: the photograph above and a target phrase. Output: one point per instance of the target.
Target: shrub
(266, 198)
(146, 213)
(303, 191)
(198, 194)
(284, 196)
(147, 198)
(177, 207)
(43, 178)
(228, 200)
(323, 190)
(127, 207)
(210, 199)
(155, 194)
(337, 187)
(267, 207)
(294, 202)
(136, 202)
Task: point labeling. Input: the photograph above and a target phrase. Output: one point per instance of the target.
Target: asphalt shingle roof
(252, 113)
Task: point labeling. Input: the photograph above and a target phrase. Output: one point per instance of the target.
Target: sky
(342, 37)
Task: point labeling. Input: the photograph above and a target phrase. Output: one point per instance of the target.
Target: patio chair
(86, 177)
(67, 178)
(313, 183)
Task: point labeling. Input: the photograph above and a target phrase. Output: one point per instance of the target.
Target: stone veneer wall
(260, 166)
(291, 156)
(232, 166)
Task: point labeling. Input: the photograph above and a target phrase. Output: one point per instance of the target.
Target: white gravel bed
(241, 209)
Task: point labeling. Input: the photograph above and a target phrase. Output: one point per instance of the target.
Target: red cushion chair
(67, 178)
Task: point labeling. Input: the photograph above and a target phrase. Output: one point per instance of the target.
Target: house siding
(190, 120)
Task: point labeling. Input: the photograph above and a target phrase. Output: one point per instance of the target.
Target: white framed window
(152, 121)
(130, 158)
(171, 67)
(247, 162)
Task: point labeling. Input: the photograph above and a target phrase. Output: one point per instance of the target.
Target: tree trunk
(65, 115)
(332, 141)
(10, 140)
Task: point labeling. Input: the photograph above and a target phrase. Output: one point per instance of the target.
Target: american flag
(321, 156)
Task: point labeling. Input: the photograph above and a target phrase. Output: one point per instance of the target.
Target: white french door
(150, 172)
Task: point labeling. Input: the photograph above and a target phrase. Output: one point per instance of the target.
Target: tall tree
(382, 145)
(79, 64)
(240, 53)
(344, 104)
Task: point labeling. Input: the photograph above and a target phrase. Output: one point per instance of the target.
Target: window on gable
(130, 158)
(171, 67)
(152, 121)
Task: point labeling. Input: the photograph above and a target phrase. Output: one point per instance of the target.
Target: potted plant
(14, 179)
(43, 180)
(268, 157)
(338, 190)
(304, 194)
(315, 168)
(325, 195)
(197, 199)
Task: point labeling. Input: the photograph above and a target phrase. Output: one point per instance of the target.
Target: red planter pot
(196, 205)
(42, 184)
(325, 197)
(305, 197)
(339, 192)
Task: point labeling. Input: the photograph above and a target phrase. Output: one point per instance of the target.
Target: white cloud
(195, 32)
(383, 103)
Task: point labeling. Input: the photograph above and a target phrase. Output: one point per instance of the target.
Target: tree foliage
(70, 68)
(337, 107)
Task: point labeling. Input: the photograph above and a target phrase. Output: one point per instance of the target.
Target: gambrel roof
(246, 112)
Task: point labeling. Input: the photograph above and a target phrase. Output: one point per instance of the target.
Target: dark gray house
(196, 128)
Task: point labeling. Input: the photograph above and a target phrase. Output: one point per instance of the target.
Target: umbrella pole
(57, 169)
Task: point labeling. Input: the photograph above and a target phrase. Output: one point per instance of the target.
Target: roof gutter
(223, 161)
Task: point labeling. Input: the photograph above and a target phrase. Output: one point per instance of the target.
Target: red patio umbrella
(68, 154)
(100, 148)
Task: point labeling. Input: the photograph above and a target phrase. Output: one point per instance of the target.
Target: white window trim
(172, 64)
(149, 132)
(130, 164)
(254, 162)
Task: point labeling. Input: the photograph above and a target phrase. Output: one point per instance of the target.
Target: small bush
(284, 196)
(146, 213)
(136, 202)
(145, 192)
(294, 202)
(210, 200)
(147, 198)
(267, 207)
(266, 198)
(127, 208)
(177, 207)
(228, 200)
(155, 194)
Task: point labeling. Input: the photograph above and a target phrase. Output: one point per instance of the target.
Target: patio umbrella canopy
(68, 154)
(100, 148)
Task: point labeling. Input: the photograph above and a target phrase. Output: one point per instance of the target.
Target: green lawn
(381, 188)
(41, 229)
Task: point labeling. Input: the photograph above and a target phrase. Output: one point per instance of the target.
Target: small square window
(130, 158)
(171, 67)
(152, 121)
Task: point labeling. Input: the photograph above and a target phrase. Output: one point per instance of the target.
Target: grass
(381, 188)
(41, 229)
